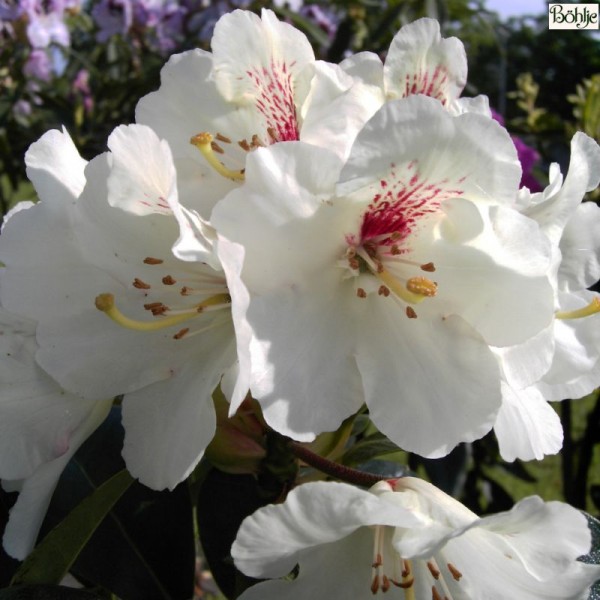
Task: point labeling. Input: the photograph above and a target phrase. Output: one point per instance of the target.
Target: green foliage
(55, 555)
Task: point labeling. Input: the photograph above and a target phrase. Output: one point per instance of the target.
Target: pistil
(591, 309)
(106, 304)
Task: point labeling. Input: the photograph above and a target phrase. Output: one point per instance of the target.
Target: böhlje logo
(573, 16)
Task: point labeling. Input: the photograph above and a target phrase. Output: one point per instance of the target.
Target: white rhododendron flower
(390, 285)
(169, 339)
(41, 428)
(410, 541)
(260, 85)
(563, 360)
(419, 61)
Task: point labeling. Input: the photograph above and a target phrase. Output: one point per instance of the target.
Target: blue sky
(509, 8)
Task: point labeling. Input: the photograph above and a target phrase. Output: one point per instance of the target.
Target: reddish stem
(334, 469)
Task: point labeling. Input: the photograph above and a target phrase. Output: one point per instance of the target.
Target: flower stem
(334, 469)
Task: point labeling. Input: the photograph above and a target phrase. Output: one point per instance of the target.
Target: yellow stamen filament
(106, 304)
(591, 309)
(203, 141)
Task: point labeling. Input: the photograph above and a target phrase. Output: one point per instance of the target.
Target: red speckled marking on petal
(425, 82)
(402, 200)
(275, 99)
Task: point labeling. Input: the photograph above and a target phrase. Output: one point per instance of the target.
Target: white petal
(261, 61)
(269, 541)
(336, 108)
(367, 67)
(55, 167)
(37, 418)
(169, 424)
(547, 537)
(27, 514)
(526, 363)
(415, 143)
(142, 177)
(428, 384)
(341, 569)
(584, 175)
(580, 249)
(527, 427)
(419, 61)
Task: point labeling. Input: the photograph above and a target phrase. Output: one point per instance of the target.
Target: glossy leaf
(52, 559)
(145, 548)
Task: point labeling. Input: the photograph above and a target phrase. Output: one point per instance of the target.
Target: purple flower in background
(38, 65)
(324, 19)
(112, 17)
(528, 157)
(81, 88)
(164, 17)
(46, 24)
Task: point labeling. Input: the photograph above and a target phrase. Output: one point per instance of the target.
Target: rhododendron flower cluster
(323, 240)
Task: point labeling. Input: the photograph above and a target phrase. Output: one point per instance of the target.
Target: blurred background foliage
(83, 64)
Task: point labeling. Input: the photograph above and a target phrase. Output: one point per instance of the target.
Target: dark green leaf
(145, 548)
(224, 501)
(48, 592)
(52, 559)
(370, 448)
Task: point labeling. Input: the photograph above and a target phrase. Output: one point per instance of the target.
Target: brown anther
(159, 310)
(181, 333)
(385, 584)
(421, 286)
(375, 585)
(360, 292)
(244, 145)
(185, 291)
(140, 285)
(405, 568)
(272, 134)
(395, 250)
(410, 312)
(429, 267)
(153, 305)
(168, 280)
(435, 595)
(354, 264)
(153, 261)
(223, 138)
(378, 561)
(379, 266)
(216, 148)
(257, 142)
(383, 291)
(395, 236)
(405, 584)
(434, 572)
(454, 571)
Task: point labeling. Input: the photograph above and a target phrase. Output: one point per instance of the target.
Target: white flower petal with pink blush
(260, 85)
(169, 339)
(398, 278)
(405, 539)
(41, 427)
(419, 61)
